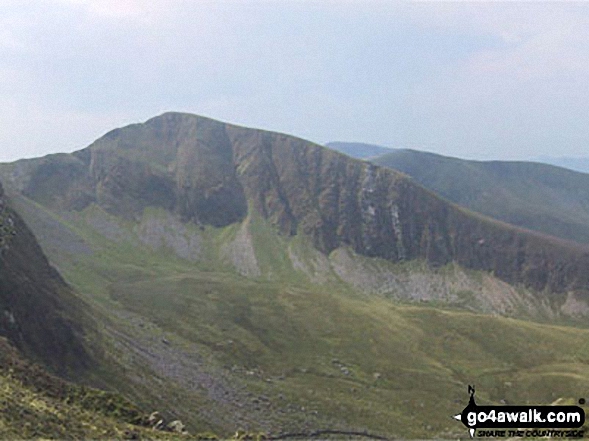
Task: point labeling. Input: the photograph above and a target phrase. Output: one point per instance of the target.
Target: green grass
(37, 405)
(424, 356)
(322, 356)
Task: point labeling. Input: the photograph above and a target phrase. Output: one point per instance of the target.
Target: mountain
(246, 279)
(358, 150)
(580, 164)
(215, 174)
(544, 198)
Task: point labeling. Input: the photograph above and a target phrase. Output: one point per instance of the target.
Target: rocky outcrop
(212, 173)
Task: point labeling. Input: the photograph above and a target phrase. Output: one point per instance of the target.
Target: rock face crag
(212, 173)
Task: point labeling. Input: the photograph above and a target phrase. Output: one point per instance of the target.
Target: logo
(521, 421)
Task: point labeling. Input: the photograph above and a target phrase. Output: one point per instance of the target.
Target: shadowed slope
(40, 314)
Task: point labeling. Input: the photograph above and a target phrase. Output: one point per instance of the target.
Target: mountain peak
(211, 173)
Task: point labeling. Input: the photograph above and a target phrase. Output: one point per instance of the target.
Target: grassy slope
(424, 356)
(35, 404)
(540, 197)
(221, 351)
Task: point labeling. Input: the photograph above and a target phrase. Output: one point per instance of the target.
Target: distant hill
(580, 164)
(358, 150)
(541, 197)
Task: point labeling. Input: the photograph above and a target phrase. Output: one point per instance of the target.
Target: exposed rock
(213, 173)
(316, 267)
(176, 426)
(575, 306)
(53, 236)
(106, 225)
(240, 252)
(153, 418)
(450, 284)
(6, 225)
(164, 230)
(531, 195)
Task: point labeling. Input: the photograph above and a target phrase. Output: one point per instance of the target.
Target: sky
(479, 80)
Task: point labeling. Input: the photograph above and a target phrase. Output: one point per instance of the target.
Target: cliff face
(339, 201)
(36, 306)
(212, 173)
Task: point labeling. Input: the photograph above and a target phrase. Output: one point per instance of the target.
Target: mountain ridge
(579, 164)
(359, 150)
(212, 173)
(541, 197)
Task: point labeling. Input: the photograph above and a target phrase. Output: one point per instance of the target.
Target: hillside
(35, 404)
(249, 279)
(548, 199)
(38, 308)
(580, 164)
(43, 317)
(358, 150)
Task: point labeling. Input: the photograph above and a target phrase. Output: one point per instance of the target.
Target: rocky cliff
(212, 173)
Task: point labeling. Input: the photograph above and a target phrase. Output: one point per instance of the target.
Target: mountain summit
(212, 173)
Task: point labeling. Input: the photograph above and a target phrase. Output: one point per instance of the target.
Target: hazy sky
(488, 80)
